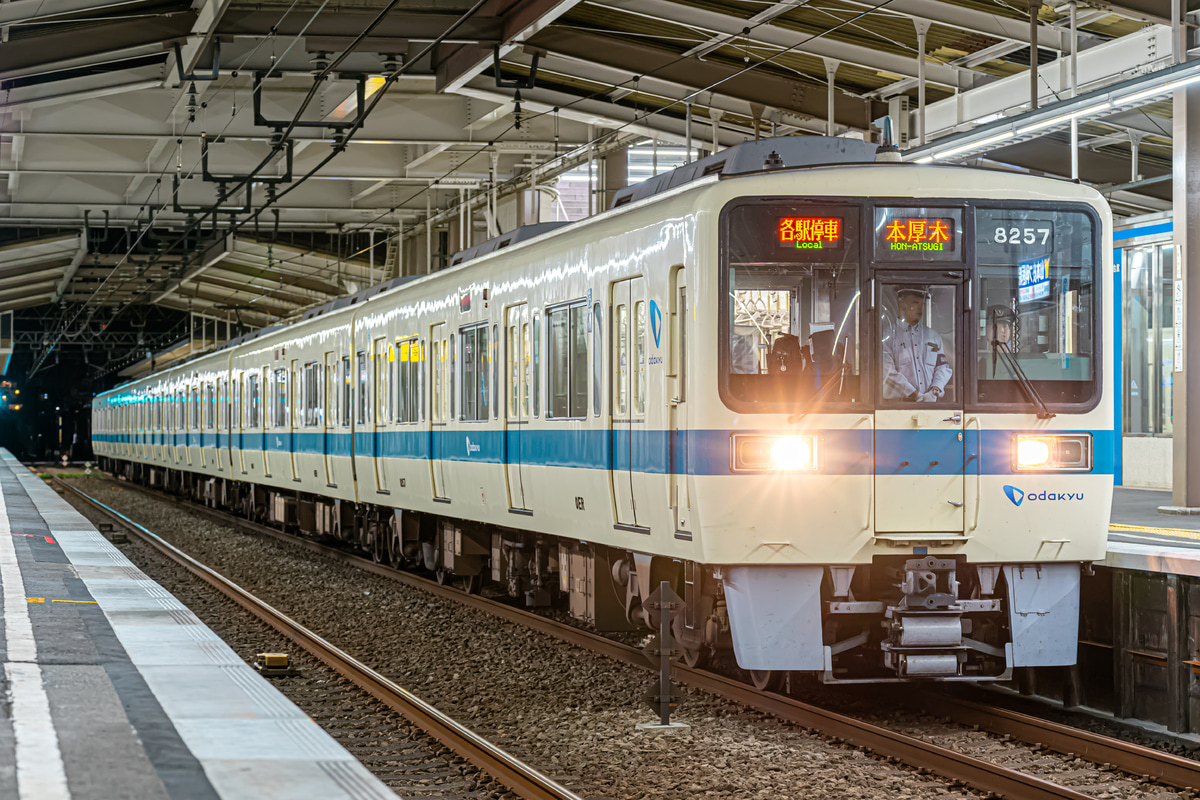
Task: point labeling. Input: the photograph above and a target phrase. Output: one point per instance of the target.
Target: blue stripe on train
(699, 452)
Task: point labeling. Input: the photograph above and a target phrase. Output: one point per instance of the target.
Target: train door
(328, 390)
(381, 359)
(295, 415)
(518, 410)
(630, 443)
(192, 419)
(268, 417)
(680, 459)
(439, 405)
(919, 435)
(221, 412)
(238, 425)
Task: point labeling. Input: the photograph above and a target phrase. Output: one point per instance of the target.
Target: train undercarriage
(901, 617)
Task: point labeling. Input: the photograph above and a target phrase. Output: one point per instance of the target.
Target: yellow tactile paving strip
(1181, 532)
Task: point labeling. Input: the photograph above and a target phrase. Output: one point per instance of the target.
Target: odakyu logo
(656, 322)
(471, 448)
(1017, 496)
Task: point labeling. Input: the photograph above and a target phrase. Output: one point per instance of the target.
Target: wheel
(442, 575)
(471, 584)
(695, 657)
(395, 555)
(766, 680)
(379, 547)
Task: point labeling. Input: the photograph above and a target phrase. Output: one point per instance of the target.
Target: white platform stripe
(218, 652)
(152, 589)
(40, 771)
(309, 737)
(170, 604)
(198, 633)
(354, 779)
(263, 695)
(185, 617)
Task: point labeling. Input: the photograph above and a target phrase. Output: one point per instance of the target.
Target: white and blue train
(859, 413)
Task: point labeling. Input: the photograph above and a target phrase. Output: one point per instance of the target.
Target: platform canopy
(257, 159)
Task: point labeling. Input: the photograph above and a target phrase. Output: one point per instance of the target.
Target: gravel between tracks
(406, 759)
(566, 711)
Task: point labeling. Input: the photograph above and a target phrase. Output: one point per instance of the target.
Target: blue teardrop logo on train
(1014, 494)
(656, 323)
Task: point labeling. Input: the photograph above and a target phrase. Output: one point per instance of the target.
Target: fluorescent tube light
(1170, 87)
(982, 143)
(1037, 126)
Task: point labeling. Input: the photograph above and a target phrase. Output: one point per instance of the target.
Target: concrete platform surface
(115, 690)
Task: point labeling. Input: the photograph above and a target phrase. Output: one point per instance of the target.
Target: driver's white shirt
(914, 361)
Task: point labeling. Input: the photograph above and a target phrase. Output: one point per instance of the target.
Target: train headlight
(1070, 452)
(792, 453)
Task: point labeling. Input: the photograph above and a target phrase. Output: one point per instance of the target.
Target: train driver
(914, 363)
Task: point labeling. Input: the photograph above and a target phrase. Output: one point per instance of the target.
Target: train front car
(914, 403)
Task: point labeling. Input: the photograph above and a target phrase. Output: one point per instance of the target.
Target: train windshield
(1035, 276)
(792, 282)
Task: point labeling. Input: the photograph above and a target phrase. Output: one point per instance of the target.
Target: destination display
(810, 233)
(927, 234)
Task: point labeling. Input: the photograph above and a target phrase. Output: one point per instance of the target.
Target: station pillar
(616, 176)
(1185, 302)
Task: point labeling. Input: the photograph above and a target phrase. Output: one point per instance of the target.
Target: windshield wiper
(1022, 379)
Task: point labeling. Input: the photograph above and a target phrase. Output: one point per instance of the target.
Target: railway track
(514, 774)
(976, 773)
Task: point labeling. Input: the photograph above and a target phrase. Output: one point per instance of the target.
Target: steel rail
(510, 771)
(1127, 757)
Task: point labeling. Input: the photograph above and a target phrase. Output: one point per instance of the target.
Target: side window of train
(620, 362)
(597, 360)
(382, 357)
(280, 399)
(346, 381)
(251, 395)
(453, 376)
(537, 363)
(363, 399)
(474, 379)
(566, 335)
(436, 360)
(494, 356)
(408, 374)
(312, 394)
(639, 357)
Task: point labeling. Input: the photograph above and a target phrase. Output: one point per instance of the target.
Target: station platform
(1140, 538)
(115, 690)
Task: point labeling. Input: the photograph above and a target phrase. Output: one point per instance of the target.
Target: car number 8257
(1021, 235)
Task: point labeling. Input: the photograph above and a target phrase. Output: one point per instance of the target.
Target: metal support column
(922, 27)
(687, 131)
(1074, 48)
(1185, 180)
(616, 175)
(1034, 7)
(831, 68)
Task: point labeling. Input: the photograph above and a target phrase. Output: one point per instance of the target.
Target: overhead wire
(583, 147)
(378, 96)
(636, 120)
(64, 323)
(246, 180)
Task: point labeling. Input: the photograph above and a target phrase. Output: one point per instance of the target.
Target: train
(857, 413)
